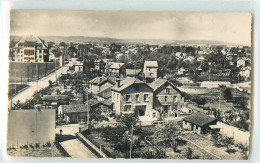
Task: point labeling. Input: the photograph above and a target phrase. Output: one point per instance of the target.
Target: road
(33, 86)
(76, 149)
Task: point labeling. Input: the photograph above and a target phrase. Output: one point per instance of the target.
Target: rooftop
(150, 64)
(199, 119)
(117, 65)
(54, 97)
(160, 82)
(126, 83)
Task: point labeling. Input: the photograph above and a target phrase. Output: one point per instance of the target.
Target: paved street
(76, 149)
(42, 83)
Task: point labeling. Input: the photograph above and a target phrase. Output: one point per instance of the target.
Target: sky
(214, 26)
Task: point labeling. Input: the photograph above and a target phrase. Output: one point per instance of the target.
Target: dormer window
(167, 90)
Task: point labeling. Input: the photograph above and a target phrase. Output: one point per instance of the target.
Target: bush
(158, 154)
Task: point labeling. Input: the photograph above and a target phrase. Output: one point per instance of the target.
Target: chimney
(118, 82)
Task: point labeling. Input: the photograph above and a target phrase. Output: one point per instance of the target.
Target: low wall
(30, 127)
(61, 149)
(92, 146)
(238, 135)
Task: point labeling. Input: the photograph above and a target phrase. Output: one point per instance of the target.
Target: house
(55, 100)
(100, 83)
(132, 96)
(116, 69)
(77, 113)
(181, 71)
(78, 67)
(199, 123)
(245, 72)
(105, 94)
(167, 98)
(133, 72)
(31, 49)
(100, 64)
(150, 69)
(242, 62)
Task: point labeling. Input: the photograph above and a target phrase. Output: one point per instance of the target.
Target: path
(76, 149)
(42, 83)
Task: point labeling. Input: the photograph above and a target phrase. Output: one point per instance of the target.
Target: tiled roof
(116, 65)
(126, 83)
(160, 82)
(132, 71)
(78, 108)
(150, 64)
(199, 119)
(75, 108)
(107, 93)
(101, 79)
(54, 97)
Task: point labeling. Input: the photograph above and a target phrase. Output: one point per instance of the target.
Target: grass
(21, 71)
(40, 152)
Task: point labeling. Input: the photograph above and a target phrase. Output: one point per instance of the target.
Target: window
(21, 51)
(167, 90)
(40, 56)
(117, 97)
(146, 97)
(197, 127)
(137, 97)
(127, 108)
(165, 98)
(18, 50)
(154, 115)
(113, 95)
(40, 51)
(21, 55)
(174, 98)
(185, 122)
(128, 98)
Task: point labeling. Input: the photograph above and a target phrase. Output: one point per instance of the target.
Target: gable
(137, 88)
(173, 89)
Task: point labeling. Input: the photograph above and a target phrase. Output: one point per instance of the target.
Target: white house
(150, 69)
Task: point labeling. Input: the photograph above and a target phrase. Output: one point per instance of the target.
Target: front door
(140, 110)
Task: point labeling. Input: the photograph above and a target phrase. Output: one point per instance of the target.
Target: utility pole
(131, 139)
(55, 71)
(14, 81)
(88, 110)
(28, 74)
(36, 75)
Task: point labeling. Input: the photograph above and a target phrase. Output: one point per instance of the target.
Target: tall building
(31, 49)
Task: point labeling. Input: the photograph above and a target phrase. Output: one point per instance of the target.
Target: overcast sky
(227, 27)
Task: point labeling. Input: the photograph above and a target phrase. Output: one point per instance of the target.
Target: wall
(30, 126)
(144, 89)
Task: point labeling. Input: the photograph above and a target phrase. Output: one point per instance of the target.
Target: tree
(227, 141)
(96, 115)
(170, 132)
(50, 83)
(129, 121)
(228, 94)
(189, 153)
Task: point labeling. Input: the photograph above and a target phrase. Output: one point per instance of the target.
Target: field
(23, 70)
(40, 152)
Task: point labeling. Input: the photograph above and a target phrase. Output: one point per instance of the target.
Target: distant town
(106, 98)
